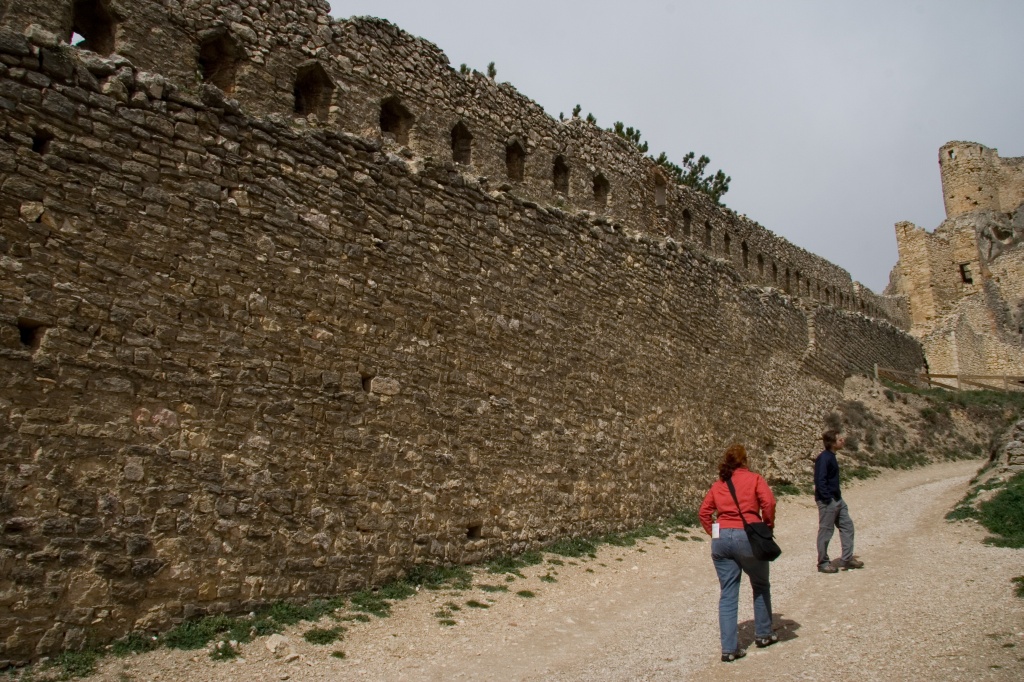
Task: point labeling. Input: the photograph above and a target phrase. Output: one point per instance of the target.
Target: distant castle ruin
(964, 283)
(288, 306)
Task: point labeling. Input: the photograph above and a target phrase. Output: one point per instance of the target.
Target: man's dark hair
(829, 438)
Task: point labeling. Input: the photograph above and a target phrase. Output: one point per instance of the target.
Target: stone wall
(974, 178)
(248, 356)
(964, 286)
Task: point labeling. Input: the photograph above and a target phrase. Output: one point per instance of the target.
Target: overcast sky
(828, 115)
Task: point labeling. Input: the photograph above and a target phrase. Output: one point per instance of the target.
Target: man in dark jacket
(832, 509)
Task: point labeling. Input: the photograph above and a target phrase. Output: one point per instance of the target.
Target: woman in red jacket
(730, 549)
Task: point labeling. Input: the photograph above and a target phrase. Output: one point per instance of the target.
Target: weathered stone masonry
(246, 359)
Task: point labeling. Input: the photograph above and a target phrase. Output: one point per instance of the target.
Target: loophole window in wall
(515, 162)
(313, 90)
(560, 175)
(219, 56)
(462, 144)
(395, 120)
(965, 273)
(93, 26)
(601, 190)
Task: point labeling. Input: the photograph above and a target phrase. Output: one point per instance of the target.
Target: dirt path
(933, 603)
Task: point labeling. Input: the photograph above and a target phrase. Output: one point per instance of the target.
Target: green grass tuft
(474, 604)
(573, 547)
(134, 643)
(1019, 585)
(526, 594)
(73, 664)
(338, 654)
(1003, 515)
(322, 636)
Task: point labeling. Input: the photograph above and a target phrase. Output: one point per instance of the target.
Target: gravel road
(933, 603)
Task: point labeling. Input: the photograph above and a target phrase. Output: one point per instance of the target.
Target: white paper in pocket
(714, 530)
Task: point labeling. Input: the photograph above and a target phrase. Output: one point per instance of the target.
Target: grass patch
(493, 588)
(436, 577)
(323, 636)
(134, 643)
(1003, 515)
(74, 664)
(1018, 586)
(858, 472)
(225, 650)
(573, 547)
(783, 489)
(337, 654)
(548, 578)
(513, 564)
(526, 594)
(447, 622)
(474, 604)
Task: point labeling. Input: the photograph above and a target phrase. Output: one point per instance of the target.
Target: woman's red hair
(735, 457)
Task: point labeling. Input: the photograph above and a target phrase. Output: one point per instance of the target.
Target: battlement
(289, 59)
(974, 178)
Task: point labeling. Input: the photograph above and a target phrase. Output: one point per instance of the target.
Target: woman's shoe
(733, 656)
(762, 642)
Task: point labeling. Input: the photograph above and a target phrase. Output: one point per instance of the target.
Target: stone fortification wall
(964, 284)
(246, 360)
(367, 76)
(974, 178)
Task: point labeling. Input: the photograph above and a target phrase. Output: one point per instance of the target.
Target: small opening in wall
(313, 91)
(462, 144)
(367, 382)
(218, 61)
(965, 273)
(708, 235)
(952, 154)
(745, 250)
(515, 162)
(601, 189)
(660, 191)
(41, 141)
(31, 332)
(687, 223)
(760, 265)
(775, 273)
(92, 21)
(727, 245)
(474, 532)
(395, 120)
(560, 175)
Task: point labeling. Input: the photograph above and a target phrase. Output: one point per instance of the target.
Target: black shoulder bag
(762, 543)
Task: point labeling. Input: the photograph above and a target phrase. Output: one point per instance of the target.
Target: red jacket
(756, 501)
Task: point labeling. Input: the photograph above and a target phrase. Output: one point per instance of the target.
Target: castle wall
(974, 178)
(246, 360)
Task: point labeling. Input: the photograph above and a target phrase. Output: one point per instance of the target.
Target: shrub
(322, 636)
(1003, 515)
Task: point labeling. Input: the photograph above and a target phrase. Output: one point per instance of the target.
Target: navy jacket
(826, 477)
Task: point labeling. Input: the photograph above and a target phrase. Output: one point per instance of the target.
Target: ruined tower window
(91, 20)
(474, 532)
(727, 245)
(31, 332)
(760, 265)
(462, 144)
(708, 235)
(395, 120)
(965, 273)
(601, 189)
(952, 154)
(660, 190)
(515, 162)
(560, 175)
(687, 223)
(219, 56)
(41, 141)
(786, 282)
(775, 273)
(313, 90)
(745, 251)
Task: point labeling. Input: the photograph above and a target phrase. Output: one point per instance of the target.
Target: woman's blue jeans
(733, 557)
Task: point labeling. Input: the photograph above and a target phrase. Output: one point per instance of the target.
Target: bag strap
(732, 490)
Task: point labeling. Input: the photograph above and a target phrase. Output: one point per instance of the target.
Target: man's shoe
(851, 564)
(733, 655)
(762, 642)
(827, 568)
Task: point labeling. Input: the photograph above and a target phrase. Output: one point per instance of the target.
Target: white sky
(828, 115)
